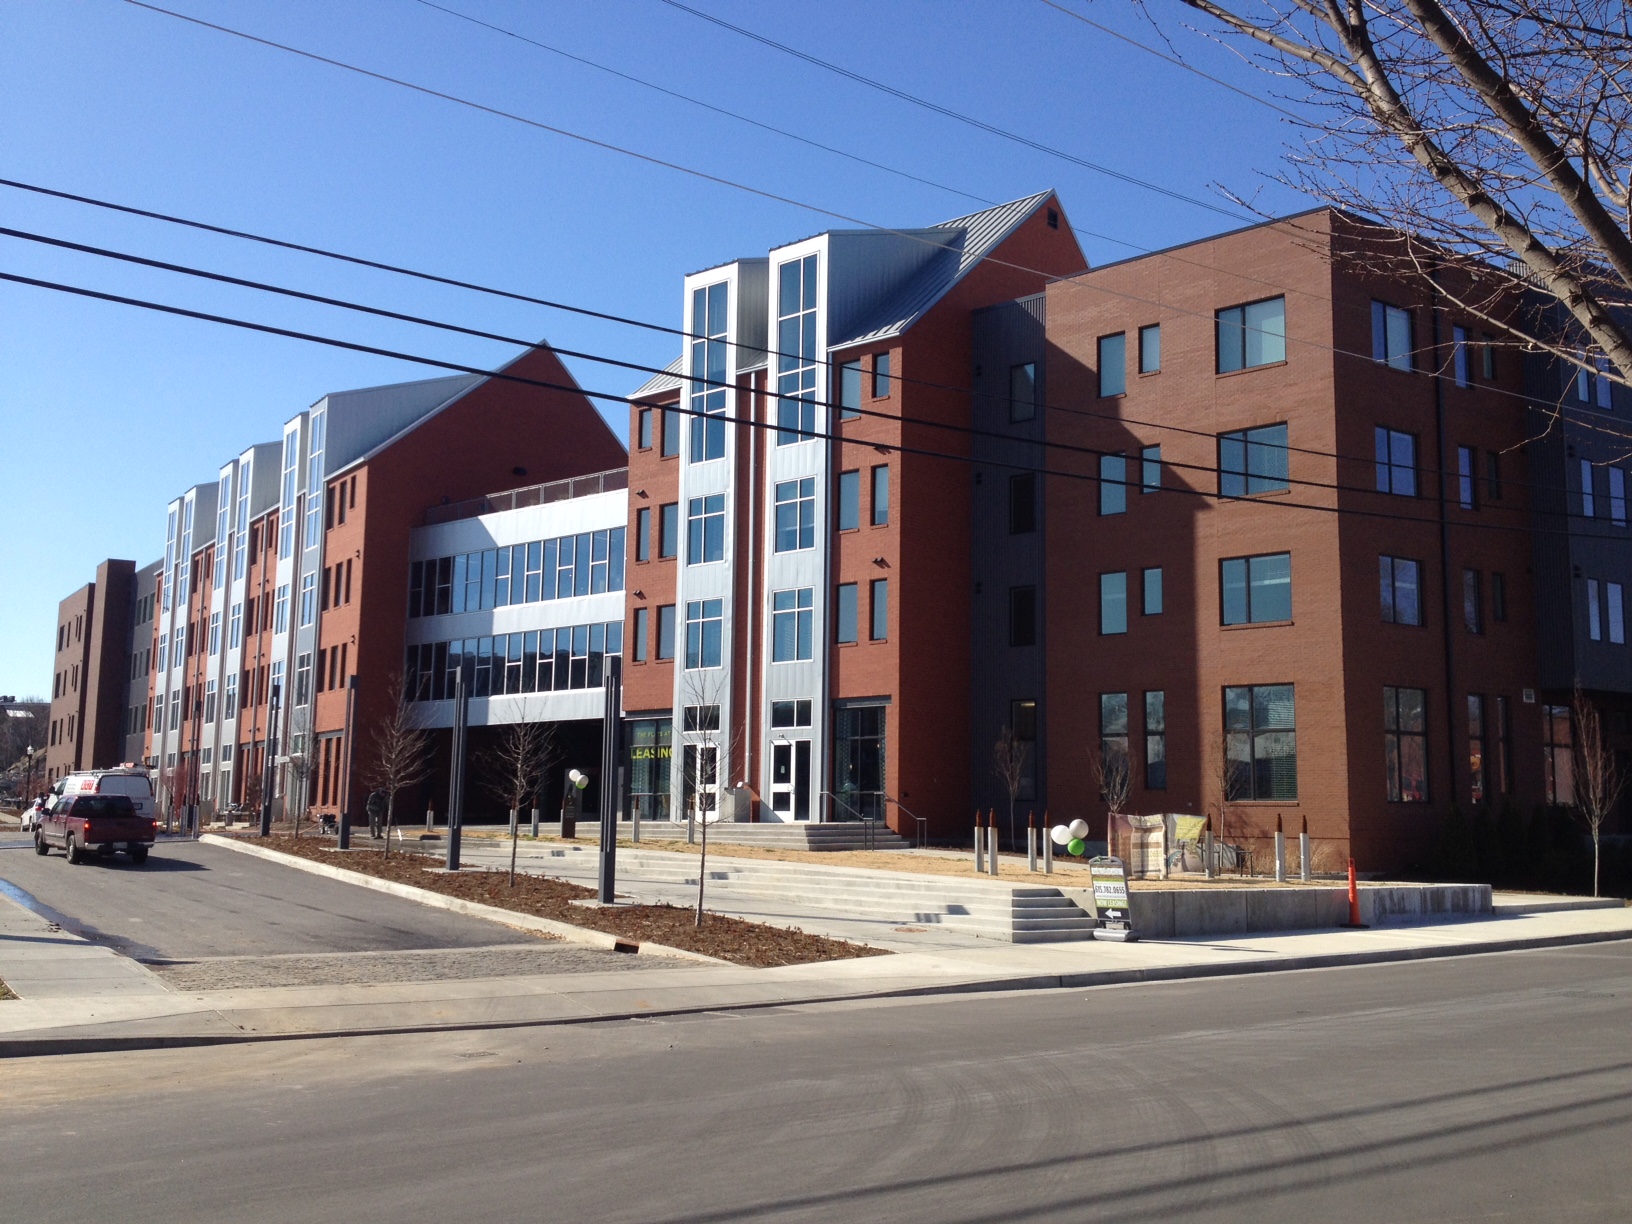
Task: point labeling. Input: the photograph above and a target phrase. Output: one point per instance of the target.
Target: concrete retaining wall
(1184, 912)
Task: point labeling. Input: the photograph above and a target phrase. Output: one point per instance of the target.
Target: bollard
(1307, 871)
(980, 846)
(1207, 860)
(1048, 847)
(430, 817)
(1354, 898)
(535, 823)
(991, 842)
(1280, 851)
(1031, 841)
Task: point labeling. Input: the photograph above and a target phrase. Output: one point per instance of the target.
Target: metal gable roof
(669, 380)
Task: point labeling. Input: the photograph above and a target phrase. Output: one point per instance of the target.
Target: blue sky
(106, 412)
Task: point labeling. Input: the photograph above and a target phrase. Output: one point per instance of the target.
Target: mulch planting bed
(729, 939)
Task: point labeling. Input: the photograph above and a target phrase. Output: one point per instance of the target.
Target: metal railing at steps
(920, 839)
(868, 823)
(533, 495)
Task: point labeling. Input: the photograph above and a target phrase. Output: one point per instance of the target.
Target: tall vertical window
(669, 445)
(1252, 461)
(209, 702)
(850, 391)
(638, 632)
(1396, 462)
(229, 700)
(1261, 741)
(1391, 335)
(1593, 385)
(1459, 356)
(665, 631)
(1615, 612)
(1595, 623)
(1113, 484)
(847, 515)
(1498, 597)
(308, 598)
(1113, 364)
(796, 514)
(1558, 757)
(1504, 748)
(1405, 744)
(1589, 507)
(223, 520)
(1113, 603)
(1473, 615)
(303, 679)
(1150, 348)
(215, 633)
(643, 429)
(1493, 476)
(1617, 496)
(705, 619)
(1150, 469)
(845, 613)
(240, 539)
(668, 529)
(643, 536)
(881, 495)
(314, 479)
(796, 351)
(705, 529)
(879, 590)
(1153, 591)
(709, 322)
(1023, 616)
(1023, 724)
(1023, 391)
(881, 375)
(1251, 335)
(235, 626)
(1113, 732)
(1256, 590)
(1401, 582)
(1155, 741)
(280, 610)
(1476, 748)
(1467, 481)
(1022, 503)
(792, 618)
(1487, 356)
(291, 477)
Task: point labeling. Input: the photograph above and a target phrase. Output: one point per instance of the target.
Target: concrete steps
(805, 836)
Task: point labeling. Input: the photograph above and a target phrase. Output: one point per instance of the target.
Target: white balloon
(1079, 828)
(574, 776)
(1061, 835)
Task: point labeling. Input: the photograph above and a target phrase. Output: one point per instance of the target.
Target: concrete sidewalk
(131, 1009)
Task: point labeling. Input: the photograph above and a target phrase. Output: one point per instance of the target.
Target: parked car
(102, 824)
(33, 813)
(131, 781)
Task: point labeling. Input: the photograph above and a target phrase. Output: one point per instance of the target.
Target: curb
(511, 918)
(44, 1046)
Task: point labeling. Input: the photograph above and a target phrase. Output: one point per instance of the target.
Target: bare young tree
(706, 756)
(1009, 756)
(402, 750)
(1113, 775)
(1499, 131)
(301, 761)
(519, 761)
(1598, 778)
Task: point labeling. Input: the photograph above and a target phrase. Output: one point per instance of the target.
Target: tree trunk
(515, 832)
(702, 865)
(390, 807)
(1595, 863)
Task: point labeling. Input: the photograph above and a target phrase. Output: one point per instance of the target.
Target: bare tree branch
(402, 750)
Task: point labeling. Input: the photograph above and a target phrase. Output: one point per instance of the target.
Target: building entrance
(790, 779)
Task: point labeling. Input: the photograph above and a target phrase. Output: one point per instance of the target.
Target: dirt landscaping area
(729, 939)
(5, 992)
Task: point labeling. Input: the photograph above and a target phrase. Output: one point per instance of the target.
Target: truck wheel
(138, 855)
(71, 848)
(40, 847)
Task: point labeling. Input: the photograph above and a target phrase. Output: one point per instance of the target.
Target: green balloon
(1077, 845)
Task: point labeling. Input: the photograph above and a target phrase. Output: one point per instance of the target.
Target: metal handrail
(921, 840)
(866, 822)
(531, 495)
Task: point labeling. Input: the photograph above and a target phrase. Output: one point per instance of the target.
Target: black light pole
(347, 755)
(456, 767)
(611, 757)
(269, 770)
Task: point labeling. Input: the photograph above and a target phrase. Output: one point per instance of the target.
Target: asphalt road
(1491, 1087)
(192, 900)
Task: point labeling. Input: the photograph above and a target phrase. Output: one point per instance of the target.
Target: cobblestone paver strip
(360, 968)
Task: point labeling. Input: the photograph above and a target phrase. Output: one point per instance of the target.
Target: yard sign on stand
(1110, 882)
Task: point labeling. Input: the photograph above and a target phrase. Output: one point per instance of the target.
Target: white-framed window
(308, 598)
(705, 529)
(209, 702)
(705, 625)
(215, 633)
(291, 477)
(229, 700)
(792, 622)
(280, 609)
(796, 514)
(709, 323)
(796, 351)
(235, 626)
(314, 481)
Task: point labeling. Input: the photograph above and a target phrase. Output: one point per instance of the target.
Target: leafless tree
(301, 761)
(1009, 757)
(1598, 778)
(1496, 133)
(706, 757)
(519, 761)
(252, 790)
(402, 750)
(1113, 775)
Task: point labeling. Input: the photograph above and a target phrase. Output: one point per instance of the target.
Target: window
(1589, 508)
(1023, 392)
(1113, 603)
(1487, 356)
(1261, 741)
(1391, 336)
(1498, 598)
(215, 634)
(643, 533)
(1155, 741)
(670, 443)
(1405, 744)
(796, 514)
(1615, 610)
(1593, 385)
(880, 595)
(1113, 738)
(796, 351)
(850, 391)
(1150, 469)
(1557, 748)
(665, 631)
(792, 616)
(1152, 605)
(1459, 356)
(881, 495)
(844, 613)
(1251, 335)
(705, 620)
(1396, 462)
(1617, 497)
(209, 702)
(1256, 590)
(1022, 503)
(229, 700)
(1401, 582)
(1476, 748)
(643, 429)
(881, 375)
(1473, 617)
(708, 392)
(1113, 484)
(280, 610)
(641, 627)
(1595, 627)
(1113, 365)
(1252, 461)
(314, 479)
(1504, 748)
(668, 529)
(705, 536)
(1150, 348)
(308, 598)
(175, 710)
(303, 679)
(790, 713)
(1493, 476)
(1467, 484)
(1023, 616)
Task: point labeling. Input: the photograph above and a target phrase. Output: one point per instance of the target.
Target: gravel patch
(364, 968)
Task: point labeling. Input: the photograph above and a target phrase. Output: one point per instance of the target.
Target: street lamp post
(268, 771)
